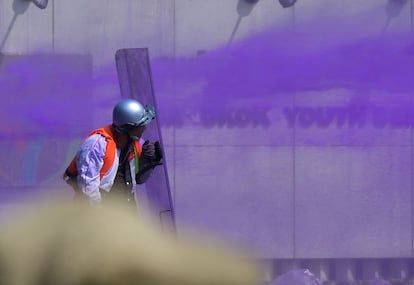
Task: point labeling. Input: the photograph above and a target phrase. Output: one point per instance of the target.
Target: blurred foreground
(62, 243)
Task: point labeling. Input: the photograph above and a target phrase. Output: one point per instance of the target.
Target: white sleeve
(89, 163)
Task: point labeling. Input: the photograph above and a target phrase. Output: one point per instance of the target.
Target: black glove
(151, 153)
(148, 149)
(158, 153)
(150, 158)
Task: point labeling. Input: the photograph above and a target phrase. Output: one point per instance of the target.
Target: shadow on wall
(19, 8)
(244, 8)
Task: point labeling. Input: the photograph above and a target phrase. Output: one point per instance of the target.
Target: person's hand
(158, 153)
(148, 149)
(151, 157)
(152, 152)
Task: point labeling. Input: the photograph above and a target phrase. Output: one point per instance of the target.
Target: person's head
(130, 117)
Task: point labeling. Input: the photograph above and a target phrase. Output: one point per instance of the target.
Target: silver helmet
(132, 113)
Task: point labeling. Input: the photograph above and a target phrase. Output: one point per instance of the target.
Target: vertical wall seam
(411, 177)
(294, 183)
(412, 17)
(294, 190)
(174, 94)
(411, 186)
(53, 26)
(294, 157)
(174, 29)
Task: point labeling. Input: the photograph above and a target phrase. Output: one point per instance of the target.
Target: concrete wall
(292, 168)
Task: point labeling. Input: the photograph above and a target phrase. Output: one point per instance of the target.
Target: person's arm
(89, 162)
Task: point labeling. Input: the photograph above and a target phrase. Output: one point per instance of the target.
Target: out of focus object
(394, 7)
(42, 4)
(287, 3)
(67, 244)
(297, 277)
(244, 8)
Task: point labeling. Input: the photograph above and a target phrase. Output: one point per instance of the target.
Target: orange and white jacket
(96, 163)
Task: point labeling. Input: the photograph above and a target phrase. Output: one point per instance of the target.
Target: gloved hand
(148, 149)
(150, 158)
(152, 153)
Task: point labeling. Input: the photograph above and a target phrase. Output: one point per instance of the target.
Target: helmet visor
(148, 116)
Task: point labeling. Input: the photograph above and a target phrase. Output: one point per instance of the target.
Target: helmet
(131, 112)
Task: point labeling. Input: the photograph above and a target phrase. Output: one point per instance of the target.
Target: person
(115, 158)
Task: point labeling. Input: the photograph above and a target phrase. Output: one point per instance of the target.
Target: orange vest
(110, 153)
